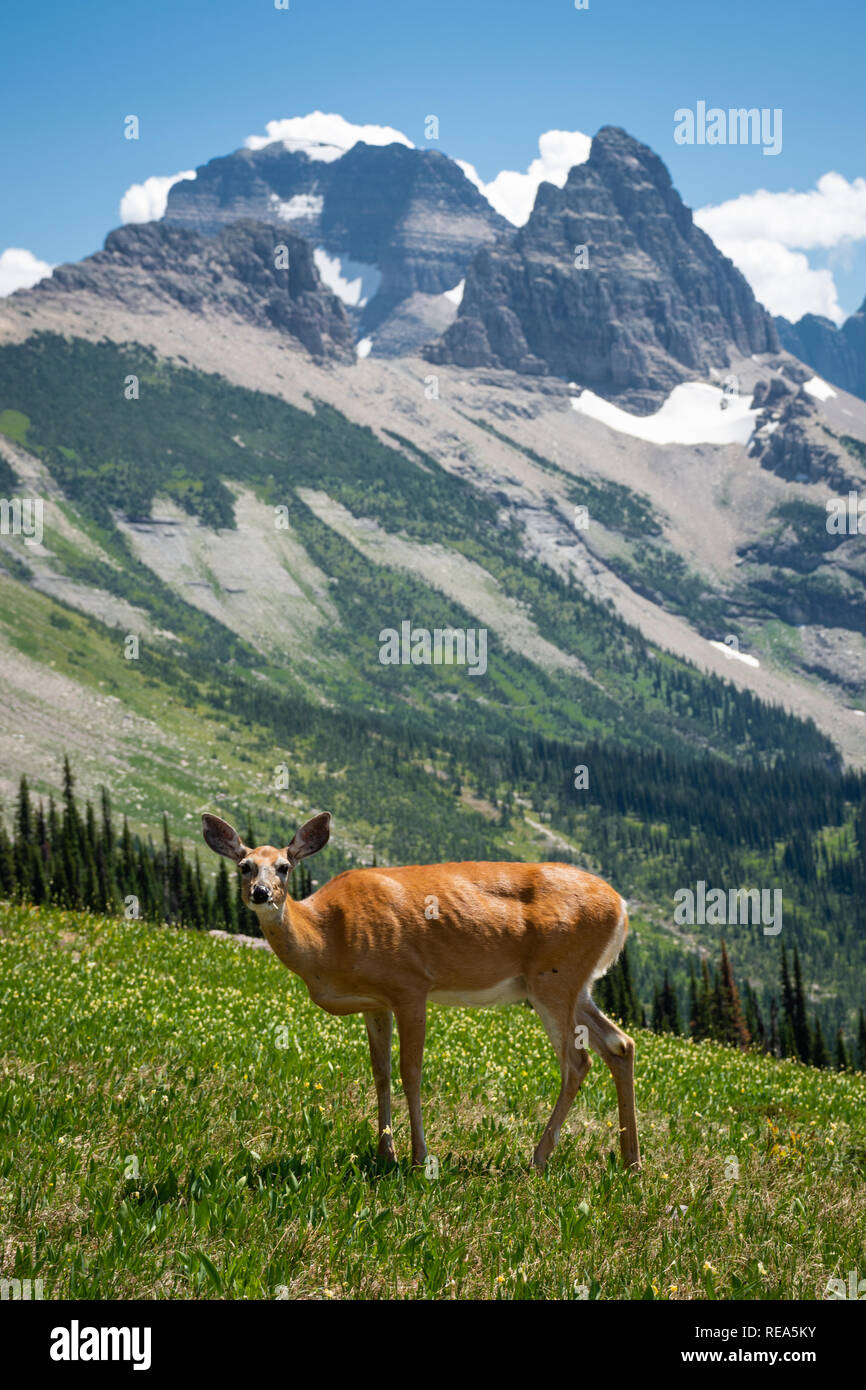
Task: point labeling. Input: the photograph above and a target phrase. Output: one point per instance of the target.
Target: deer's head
(265, 871)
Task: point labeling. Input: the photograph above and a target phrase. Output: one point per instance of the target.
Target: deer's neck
(293, 934)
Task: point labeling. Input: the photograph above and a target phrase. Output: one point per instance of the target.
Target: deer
(386, 942)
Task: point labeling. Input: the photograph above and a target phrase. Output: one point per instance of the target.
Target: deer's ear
(222, 838)
(311, 837)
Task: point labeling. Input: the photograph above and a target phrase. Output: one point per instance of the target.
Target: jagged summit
(610, 284)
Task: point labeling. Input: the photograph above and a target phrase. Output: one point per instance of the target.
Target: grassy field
(178, 1120)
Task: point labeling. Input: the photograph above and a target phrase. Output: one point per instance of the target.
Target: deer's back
(433, 911)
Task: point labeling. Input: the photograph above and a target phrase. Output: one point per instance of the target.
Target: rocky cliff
(408, 218)
(837, 354)
(610, 284)
(232, 274)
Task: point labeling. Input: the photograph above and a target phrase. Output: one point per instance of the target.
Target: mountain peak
(407, 219)
(609, 284)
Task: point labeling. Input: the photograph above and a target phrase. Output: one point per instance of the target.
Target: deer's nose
(260, 894)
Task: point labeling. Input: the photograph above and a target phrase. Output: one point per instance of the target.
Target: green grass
(14, 424)
(177, 1119)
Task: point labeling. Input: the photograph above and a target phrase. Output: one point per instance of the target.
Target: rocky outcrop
(234, 274)
(836, 354)
(789, 438)
(410, 214)
(648, 303)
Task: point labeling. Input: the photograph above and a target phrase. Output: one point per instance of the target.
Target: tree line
(717, 1009)
(61, 857)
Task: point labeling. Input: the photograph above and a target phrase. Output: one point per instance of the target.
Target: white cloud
(765, 235)
(324, 135)
(784, 281)
(831, 212)
(19, 269)
(513, 194)
(145, 202)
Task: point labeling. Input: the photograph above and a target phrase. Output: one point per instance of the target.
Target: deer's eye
(282, 867)
(246, 867)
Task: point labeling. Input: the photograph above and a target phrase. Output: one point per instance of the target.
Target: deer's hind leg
(379, 1025)
(616, 1049)
(556, 1011)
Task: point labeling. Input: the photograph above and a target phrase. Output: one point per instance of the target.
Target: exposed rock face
(789, 440)
(837, 354)
(233, 273)
(656, 303)
(411, 214)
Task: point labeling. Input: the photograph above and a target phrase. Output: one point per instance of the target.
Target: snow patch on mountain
(694, 413)
(733, 655)
(352, 281)
(455, 296)
(819, 389)
(301, 206)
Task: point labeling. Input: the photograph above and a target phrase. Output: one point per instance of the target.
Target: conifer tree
(704, 1018)
(817, 1048)
(774, 1045)
(23, 815)
(801, 1024)
(693, 998)
(731, 1025)
(7, 865)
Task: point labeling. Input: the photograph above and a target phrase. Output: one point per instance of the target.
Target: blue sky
(497, 73)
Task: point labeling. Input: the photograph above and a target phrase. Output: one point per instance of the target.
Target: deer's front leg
(379, 1036)
(412, 1027)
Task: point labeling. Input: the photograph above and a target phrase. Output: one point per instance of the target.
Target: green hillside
(688, 778)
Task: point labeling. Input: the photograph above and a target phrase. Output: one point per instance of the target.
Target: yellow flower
(708, 1266)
